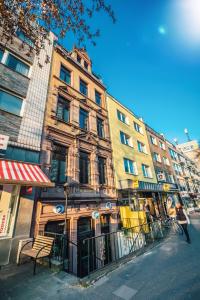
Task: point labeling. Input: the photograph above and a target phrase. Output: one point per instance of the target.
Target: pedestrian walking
(183, 220)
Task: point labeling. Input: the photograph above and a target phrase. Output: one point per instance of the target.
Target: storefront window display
(9, 195)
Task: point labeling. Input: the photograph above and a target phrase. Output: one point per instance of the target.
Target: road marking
(125, 292)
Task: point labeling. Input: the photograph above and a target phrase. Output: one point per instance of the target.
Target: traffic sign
(109, 205)
(59, 209)
(95, 215)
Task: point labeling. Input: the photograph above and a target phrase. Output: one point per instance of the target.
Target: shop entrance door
(86, 246)
(105, 229)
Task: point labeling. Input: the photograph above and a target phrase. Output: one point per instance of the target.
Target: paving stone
(125, 292)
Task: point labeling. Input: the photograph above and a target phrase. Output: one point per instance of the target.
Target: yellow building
(134, 170)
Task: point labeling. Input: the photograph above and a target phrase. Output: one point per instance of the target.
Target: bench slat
(39, 243)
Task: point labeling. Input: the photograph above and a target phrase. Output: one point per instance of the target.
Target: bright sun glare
(188, 20)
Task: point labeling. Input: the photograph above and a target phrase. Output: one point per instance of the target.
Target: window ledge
(123, 122)
(128, 146)
(131, 173)
(27, 77)
(61, 120)
(8, 112)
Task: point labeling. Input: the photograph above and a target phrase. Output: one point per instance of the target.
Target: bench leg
(34, 266)
(19, 259)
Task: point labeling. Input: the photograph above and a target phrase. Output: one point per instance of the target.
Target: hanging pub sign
(95, 215)
(135, 184)
(166, 187)
(3, 143)
(59, 209)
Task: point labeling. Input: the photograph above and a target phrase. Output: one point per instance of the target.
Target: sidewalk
(170, 271)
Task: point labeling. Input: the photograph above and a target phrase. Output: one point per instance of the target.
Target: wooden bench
(41, 247)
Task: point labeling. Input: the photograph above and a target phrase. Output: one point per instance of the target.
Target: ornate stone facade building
(76, 149)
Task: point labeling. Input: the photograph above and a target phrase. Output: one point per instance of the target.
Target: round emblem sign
(109, 205)
(95, 215)
(59, 209)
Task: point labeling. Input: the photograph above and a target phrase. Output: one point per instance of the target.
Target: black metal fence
(97, 252)
(94, 253)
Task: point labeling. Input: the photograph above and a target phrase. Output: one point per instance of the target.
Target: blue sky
(149, 64)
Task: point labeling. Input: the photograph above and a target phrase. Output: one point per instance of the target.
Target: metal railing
(97, 252)
(94, 253)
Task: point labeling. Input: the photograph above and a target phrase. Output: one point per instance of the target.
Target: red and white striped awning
(25, 174)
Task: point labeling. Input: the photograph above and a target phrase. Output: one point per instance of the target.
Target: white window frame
(143, 146)
(166, 161)
(120, 115)
(153, 140)
(134, 166)
(5, 57)
(162, 145)
(149, 171)
(140, 129)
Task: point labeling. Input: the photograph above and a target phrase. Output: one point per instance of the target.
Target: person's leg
(184, 226)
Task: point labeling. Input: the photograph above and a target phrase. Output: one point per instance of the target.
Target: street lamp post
(66, 192)
(65, 235)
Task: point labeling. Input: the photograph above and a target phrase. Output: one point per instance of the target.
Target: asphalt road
(171, 271)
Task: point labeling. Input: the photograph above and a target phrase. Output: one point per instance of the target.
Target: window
(17, 65)
(166, 161)
(78, 59)
(24, 38)
(170, 178)
(83, 87)
(58, 164)
(85, 65)
(122, 117)
(153, 140)
(125, 139)
(63, 109)
(84, 168)
(138, 128)
(9, 195)
(162, 145)
(83, 119)
(173, 154)
(1, 54)
(141, 147)
(146, 171)
(98, 97)
(130, 166)
(102, 169)
(156, 157)
(177, 169)
(65, 75)
(100, 127)
(10, 103)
